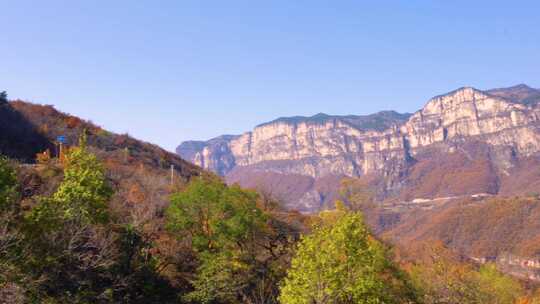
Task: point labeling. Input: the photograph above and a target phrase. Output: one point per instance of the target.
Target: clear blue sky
(168, 71)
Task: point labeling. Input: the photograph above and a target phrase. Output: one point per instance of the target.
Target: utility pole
(172, 175)
(61, 152)
(60, 141)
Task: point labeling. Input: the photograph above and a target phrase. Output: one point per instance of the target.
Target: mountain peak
(521, 86)
(467, 90)
(463, 94)
(520, 93)
(317, 118)
(378, 121)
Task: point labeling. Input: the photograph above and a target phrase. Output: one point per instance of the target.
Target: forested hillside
(93, 223)
(105, 221)
(28, 129)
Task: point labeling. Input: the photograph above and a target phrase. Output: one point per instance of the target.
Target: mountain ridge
(495, 128)
(358, 121)
(28, 129)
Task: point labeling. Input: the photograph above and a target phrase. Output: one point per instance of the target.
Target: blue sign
(61, 139)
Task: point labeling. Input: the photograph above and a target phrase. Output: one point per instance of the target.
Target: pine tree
(3, 97)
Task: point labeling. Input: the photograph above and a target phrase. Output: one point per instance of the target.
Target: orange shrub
(73, 122)
(43, 157)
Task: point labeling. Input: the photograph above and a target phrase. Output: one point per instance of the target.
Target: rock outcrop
(504, 122)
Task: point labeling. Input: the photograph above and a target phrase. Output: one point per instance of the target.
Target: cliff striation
(490, 129)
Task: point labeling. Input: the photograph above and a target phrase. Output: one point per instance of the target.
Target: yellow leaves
(339, 263)
(327, 218)
(340, 206)
(84, 192)
(439, 273)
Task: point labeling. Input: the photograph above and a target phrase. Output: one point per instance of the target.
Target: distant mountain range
(464, 142)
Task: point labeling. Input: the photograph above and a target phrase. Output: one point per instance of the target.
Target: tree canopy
(3, 97)
(341, 263)
(213, 214)
(213, 243)
(85, 192)
(221, 223)
(8, 183)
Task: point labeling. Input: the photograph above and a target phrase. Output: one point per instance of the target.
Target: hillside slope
(505, 230)
(28, 129)
(139, 172)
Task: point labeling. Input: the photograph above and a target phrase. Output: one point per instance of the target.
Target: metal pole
(60, 157)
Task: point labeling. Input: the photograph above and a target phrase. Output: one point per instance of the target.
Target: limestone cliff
(387, 144)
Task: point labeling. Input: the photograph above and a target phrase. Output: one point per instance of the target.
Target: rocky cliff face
(314, 146)
(387, 144)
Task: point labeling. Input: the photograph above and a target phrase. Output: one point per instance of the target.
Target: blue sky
(168, 71)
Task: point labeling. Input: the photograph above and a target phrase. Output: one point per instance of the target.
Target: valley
(459, 196)
(464, 152)
(270, 152)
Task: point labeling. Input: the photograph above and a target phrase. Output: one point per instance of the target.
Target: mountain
(464, 142)
(28, 129)
(520, 93)
(117, 246)
(378, 121)
(138, 171)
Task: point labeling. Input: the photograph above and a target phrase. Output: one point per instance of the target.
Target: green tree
(73, 250)
(214, 215)
(81, 199)
(221, 276)
(222, 223)
(12, 280)
(342, 263)
(9, 214)
(3, 97)
(83, 194)
(496, 288)
(8, 184)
